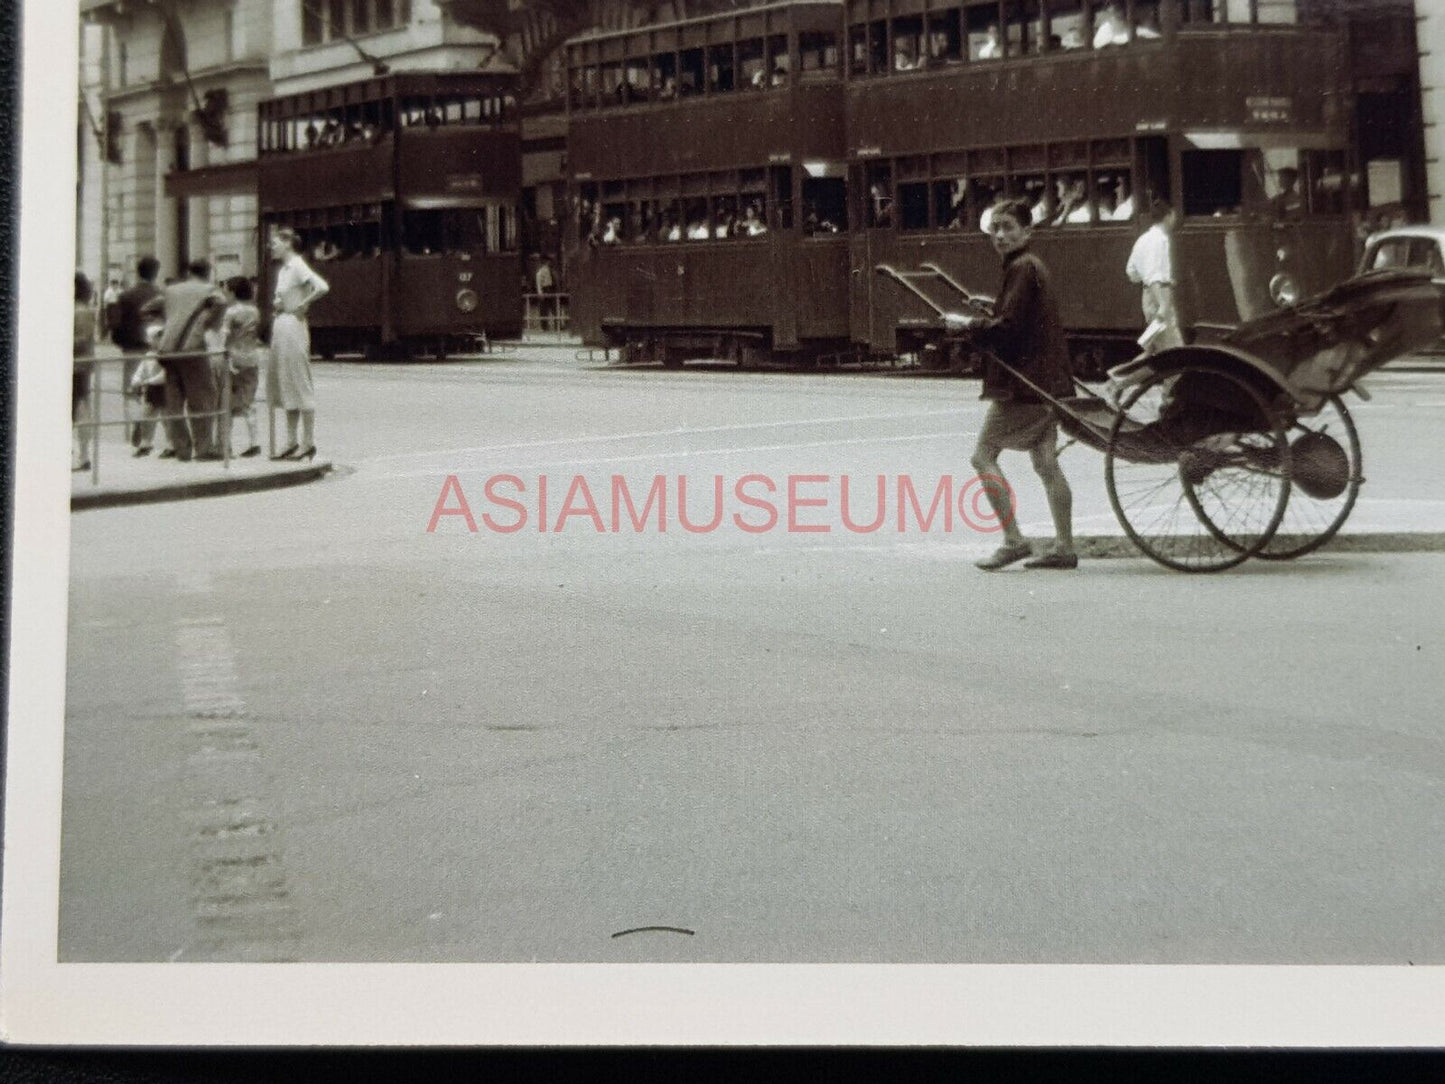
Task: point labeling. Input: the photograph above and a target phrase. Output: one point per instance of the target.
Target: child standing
(241, 328)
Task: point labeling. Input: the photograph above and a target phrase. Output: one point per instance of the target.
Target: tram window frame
(1153, 175)
(691, 71)
(1063, 17)
(725, 215)
(984, 191)
(1212, 182)
(779, 60)
(949, 195)
(610, 88)
(722, 68)
(817, 54)
(879, 57)
(858, 49)
(664, 71)
(877, 190)
(780, 193)
(825, 201)
(945, 25)
(1319, 165)
(909, 49)
(752, 71)
(978, 19)
(1020, 27)
(637, 79)
(913, 206)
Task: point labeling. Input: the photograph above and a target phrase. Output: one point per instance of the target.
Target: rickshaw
(1239, 444)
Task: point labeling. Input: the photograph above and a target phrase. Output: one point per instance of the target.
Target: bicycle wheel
(1198, 469)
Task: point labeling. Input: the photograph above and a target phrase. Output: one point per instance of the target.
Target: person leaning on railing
(82, 365)
(192, 307)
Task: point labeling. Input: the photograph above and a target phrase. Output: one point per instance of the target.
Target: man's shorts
(1019, 427)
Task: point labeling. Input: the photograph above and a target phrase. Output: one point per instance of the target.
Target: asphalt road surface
(302, 726)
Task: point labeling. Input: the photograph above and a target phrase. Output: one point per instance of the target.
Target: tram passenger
(612, 235)
(1111, 29)
(1124, 209)
(1151, 265)
(1027, 333)
(752, 223)
(992, 47)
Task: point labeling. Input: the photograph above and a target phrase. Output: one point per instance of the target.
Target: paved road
(300, 726)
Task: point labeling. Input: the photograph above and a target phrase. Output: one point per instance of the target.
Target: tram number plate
(464, 276)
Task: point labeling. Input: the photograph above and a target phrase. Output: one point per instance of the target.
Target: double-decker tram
(709, 173)
(1234, 111)
(881, 131)
(404, 191)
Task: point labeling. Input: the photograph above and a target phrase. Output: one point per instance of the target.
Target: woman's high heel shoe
(289, 453)
(308, 453)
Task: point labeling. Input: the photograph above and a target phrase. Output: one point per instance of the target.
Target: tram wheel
(1192, 497)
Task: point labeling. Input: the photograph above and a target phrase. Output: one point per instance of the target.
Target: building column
(198, 208)
(1430, 31)
(166, 210)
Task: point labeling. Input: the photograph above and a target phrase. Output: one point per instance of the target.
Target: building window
(333, 20)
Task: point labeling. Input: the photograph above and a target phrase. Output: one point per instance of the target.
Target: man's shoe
(1005, 556)
(142, 451)
(255, 449)
(209, 457)
(1054, 560)
(169, 453)
(183, 457)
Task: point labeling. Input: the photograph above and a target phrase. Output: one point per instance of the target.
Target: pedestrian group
(182, 340)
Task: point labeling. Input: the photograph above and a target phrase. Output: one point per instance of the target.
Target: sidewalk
(124, 479)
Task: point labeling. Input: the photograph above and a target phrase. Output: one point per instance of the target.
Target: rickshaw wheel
(1194, 493)
(1325, 479)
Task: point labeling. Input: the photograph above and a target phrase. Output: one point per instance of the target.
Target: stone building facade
(168, 135)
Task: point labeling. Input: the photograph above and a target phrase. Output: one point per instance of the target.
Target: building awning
(230, 179)
(1236, 140)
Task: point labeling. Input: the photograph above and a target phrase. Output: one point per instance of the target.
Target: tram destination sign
(1269, 110)
(464, 182)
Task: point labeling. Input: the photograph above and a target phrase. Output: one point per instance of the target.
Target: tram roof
(698, 20)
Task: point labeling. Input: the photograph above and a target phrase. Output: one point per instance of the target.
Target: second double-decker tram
(404, 192)
(1235, 113)
(708, 168)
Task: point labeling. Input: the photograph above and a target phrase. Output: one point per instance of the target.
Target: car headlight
(467, 300)
(1283, 290)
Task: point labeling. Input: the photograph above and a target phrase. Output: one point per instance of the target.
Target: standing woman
(297, 289)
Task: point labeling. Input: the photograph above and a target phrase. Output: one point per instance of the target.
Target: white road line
(439, 471)
(679, 431)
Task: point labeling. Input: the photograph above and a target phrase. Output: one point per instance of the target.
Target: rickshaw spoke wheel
(1197, 469)
(1326, 472)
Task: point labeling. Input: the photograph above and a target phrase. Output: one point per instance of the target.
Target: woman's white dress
(291, 385)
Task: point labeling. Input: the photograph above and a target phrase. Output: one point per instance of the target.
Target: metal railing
(96, 368)
(546, 314)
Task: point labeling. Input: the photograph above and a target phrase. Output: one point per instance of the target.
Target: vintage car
(1406, 246)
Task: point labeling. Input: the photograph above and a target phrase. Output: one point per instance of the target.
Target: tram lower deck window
(1213, 182)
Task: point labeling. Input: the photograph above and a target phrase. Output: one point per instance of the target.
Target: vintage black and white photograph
(701, 482)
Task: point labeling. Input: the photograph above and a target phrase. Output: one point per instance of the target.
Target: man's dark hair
(1017, 209)
(199, 269)
(1158, 208)
(83, 290)
(240, 288)
(147, 268)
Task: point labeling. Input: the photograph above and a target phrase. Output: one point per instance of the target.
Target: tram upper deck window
(909, 51)
(1240, 12)
(637, 80)
(780, 61)
(1021, 26)
(1068, 24)
(981, 27)
(613, 87)
(690, 68)
(664, 75)
(818, 53)
(825, 206)
(752, 71)
(858, 49)
(945, 42)
(721, 68)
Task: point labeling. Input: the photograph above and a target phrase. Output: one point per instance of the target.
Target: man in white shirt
(1151, 265)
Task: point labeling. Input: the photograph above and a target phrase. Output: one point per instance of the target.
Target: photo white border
(44, 1002)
